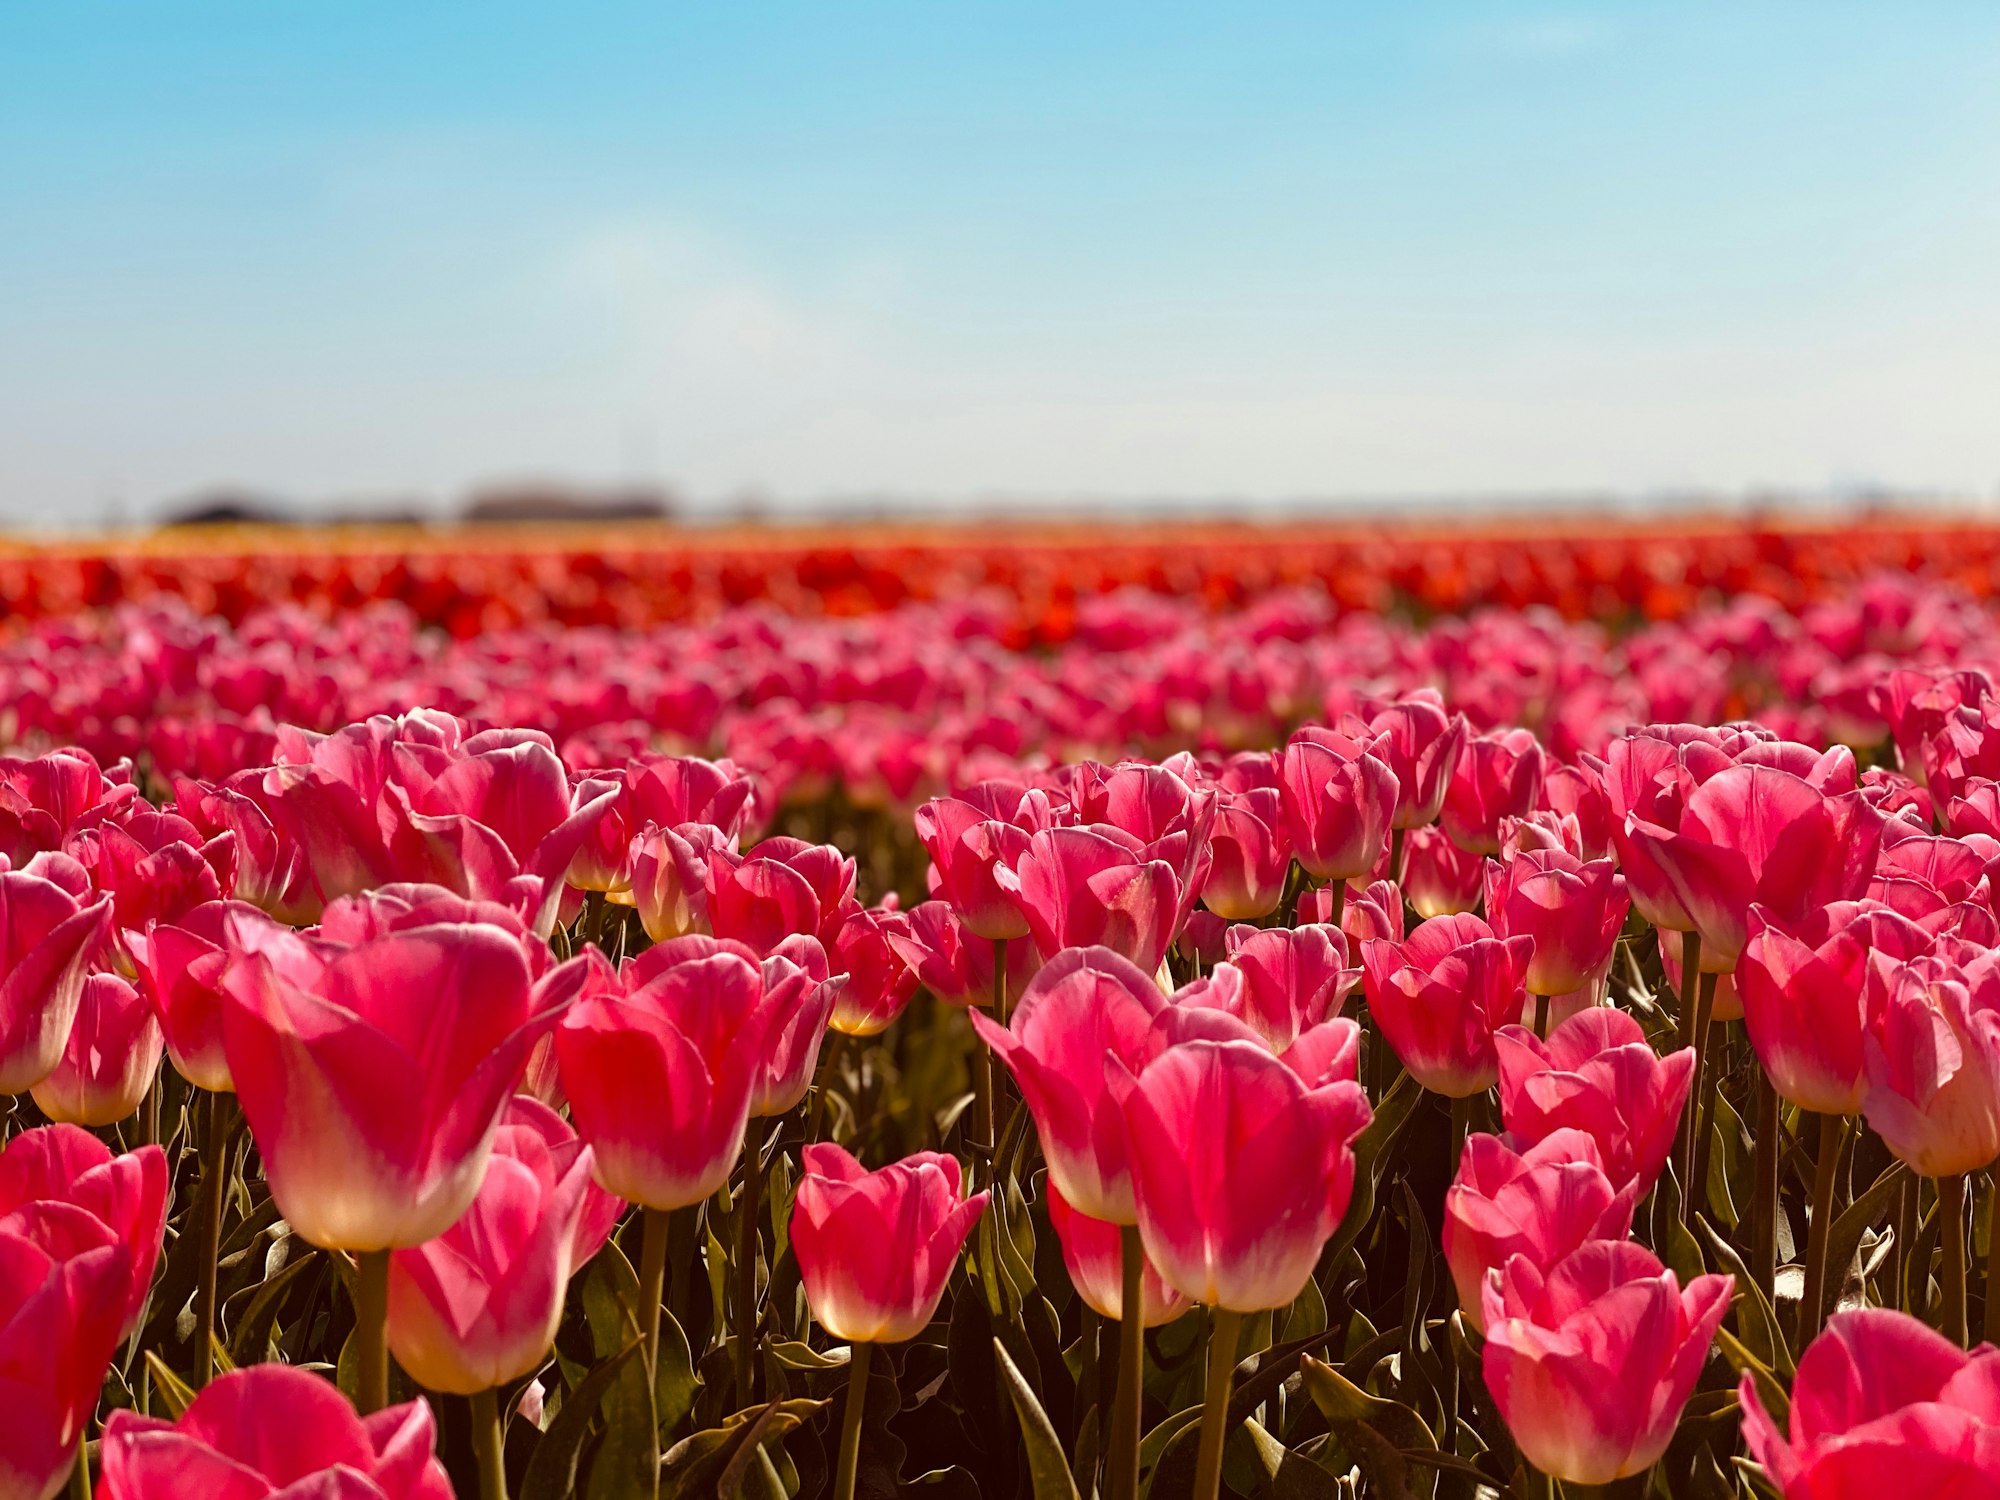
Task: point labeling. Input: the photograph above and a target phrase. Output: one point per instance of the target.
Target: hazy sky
(958, 250)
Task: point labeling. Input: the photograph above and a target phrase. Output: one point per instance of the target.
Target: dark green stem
(1130, 1396)
(1223, 1329)
(487, 1445)
(1820, 1230)
(1951, 1228)
(1764, 1192)
(850, 1422)
(1701, 1111)
(371, 1330)
(748, 1207)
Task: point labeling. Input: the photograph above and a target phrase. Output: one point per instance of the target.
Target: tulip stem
(1130, 1395)
(79, 1477)
(1461, 1119)
(1542, 1017)
(1336, 901)
(1951, 1229)
(1222, 1333)
(1000, 980)
(1086, 1386)
(1701, 1112)
(850, 1421)
(488, 1445)
(214, 1181)
(371, 1329)
(1992, 1327)
(1764, 1195)
(748, 1208)
(1832, 1131)
(655, 1224)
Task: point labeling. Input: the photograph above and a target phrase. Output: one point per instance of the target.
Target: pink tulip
(1224, 1140)
(966, 845)
(1572, 910)
(1293, 978)
(1439, 878)
(781, 887)
(42, 799)
(155, 867)
(668, 881)
(1094, 887)
(1376, 912)
(48, 940)
(478, 1306)
(65, 1284)
(1218, 1008)
(1805, 998)
(273, 1430)
(1339, 799)
(875, 1249)
(952, 963)
(1649, 776)
(1498, 776)
(1932, 1055)
(127, 1194)
(1577, 793)
(660, 1071)
(1882, 1405)
(1725, 1004)
(270, 870)
(1542, 1203)
(1251, 855)
(1421, 744)
(373, 1076)
(180, 968)
(1439, 996)
(1754, 834)
(1084, 1002)
(879, 983)
(110, 1059)
(1591, 1361)
(1093, 1253)
(799, 997)
(1596, 1073)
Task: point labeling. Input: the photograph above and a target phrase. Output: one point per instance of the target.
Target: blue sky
(958, 251)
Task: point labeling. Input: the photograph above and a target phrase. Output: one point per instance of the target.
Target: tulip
(109, 1062)
(1339, 799)
(1251, 855)
(1093, 1254)
(879, 983)
(1439, 878)
(1542, 1203)
(42, 799)
(1591, 1361)
(966, 846)
(48, 940)
(1498, 776)
(273, 1429)
(1439, 995)
(875, 1250)
(1421, 744)
(1094, 887)
(65, 1285)
(953, 963)
(127, 1194)
(781, 887)
(180, 967)
(1573, 911)
(270, 870)
(1293, 978)
(1577, 794)
(1882, 1405)
(1596, 1073)
(1376, 913)
(1932, 1056)
(1725, 1001)
(155, 867)
(478, 1306)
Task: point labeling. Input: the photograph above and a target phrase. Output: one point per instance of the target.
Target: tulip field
(959, 1022)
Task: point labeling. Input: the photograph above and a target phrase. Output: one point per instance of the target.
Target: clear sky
(966, 250)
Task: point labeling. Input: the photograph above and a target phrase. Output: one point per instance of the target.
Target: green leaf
(552, 1471)
(1378, 1435)
(175, 1392)
(796, 1355)
(1756, 1319)
(253, 1328)
(1371, 1156)
(1047, 1468)
(1861, 1215)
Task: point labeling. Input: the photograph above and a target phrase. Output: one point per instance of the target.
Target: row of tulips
(517, 1111)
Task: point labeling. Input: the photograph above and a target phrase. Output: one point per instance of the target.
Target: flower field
(1279, 1014)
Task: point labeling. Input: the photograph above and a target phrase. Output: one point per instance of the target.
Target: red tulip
(1498, 776)
(875, 1249)
(1439, 878)
(478, 1306)
(42, 799)
(1932, 1054)
(1084, 1002)
(1542, 1203)
(273, 1430)
(1805, 998)
(127, 1194)
(1591, 1361)
(1222, 1139)
(799, 996)
(1093, 1253)
(1376, 912)
(1251, 855)
(47, 941)
(1755, 834)
(1596, 1073)
(1882, 1405)
(1094, 887)
(374, 1075)
(660, 1071)
(65, 1284)
(1339, 798)
(1649, 776)
(155, 867)
(1293, 978)
(1439, 996)
(879, 983)
(1572, 910)
(110, 1059)
(270, 871)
